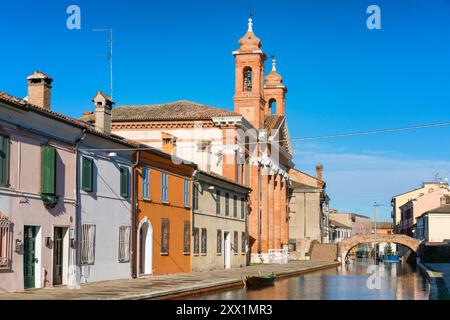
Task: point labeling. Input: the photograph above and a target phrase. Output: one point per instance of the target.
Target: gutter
(134, 215)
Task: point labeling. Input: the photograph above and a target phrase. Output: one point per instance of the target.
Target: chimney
(39, 89)
(103, 107)
(319, 171)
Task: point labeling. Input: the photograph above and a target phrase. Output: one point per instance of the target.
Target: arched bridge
(347, 244)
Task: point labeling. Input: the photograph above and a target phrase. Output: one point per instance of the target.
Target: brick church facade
(249, 145)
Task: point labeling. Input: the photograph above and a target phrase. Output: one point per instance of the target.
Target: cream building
(220, 235)
(434, 225)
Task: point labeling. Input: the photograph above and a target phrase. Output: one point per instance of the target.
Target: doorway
(60, 256)
(227, 249)
(145, 249)
(30, 258)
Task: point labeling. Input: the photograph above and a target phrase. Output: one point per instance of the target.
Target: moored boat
(260, 281)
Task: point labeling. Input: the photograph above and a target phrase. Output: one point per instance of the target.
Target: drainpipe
(134, 215)
(77, 231)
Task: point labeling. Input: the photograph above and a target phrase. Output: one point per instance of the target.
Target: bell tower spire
(275, 91)
(249, 89)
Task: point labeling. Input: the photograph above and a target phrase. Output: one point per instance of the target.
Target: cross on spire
(250, 20)
(274, 62)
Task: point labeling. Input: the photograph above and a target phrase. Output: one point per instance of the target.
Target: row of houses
(80, 204)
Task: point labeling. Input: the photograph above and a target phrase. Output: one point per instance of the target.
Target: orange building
(163, 215)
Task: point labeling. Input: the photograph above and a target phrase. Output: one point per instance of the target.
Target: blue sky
(342, 77)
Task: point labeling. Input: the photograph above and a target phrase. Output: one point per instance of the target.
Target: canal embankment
(438, 275)
(170, 286)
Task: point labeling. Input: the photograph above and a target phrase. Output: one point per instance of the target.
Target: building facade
(163, 235)
(37, 192)
(434, 225)
(220, 236)
(399, 200)
(414, 208)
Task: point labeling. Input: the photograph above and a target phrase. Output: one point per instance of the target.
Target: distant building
(339, 231)
(308, 210)
(417, 206)
(399, 200)
(384, 227)
(434, 225)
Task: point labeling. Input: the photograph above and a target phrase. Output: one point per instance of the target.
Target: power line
(339, 135)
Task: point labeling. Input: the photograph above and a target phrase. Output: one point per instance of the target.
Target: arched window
(272, 106)
(247, 84)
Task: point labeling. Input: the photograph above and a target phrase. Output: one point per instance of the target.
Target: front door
(29, 256)
(227, 249)
(58, 255)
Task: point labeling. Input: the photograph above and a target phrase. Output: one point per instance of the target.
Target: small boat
(255, 282)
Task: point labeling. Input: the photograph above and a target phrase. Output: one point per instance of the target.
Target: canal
(397, 281)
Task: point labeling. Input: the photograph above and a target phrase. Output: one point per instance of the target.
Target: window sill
(204, 254)
(195, 254)
(164, 254)
(186, 253)
(187, 206)
(146, 200)
(218, 254)
(166, 203)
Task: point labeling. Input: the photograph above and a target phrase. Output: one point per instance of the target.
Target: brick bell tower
(249, 91)
(275, 92)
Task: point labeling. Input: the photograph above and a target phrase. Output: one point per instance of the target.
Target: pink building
(37, 191)
(416, 207)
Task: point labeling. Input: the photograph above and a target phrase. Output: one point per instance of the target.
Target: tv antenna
(110, 57)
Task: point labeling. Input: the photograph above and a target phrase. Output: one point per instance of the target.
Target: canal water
(356, 281)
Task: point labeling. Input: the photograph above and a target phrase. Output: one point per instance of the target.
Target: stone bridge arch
(347, 244)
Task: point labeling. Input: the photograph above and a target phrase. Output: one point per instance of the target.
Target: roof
(178, 110)
(25, 105)
(272, 121)
(219, 177)
(298, 185)
(442, 209)
(423, 186)
(339, 225)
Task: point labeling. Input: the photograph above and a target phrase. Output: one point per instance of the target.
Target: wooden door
(29, 256)
(57, 255)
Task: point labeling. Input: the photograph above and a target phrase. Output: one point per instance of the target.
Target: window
(186, 193)
(195, 200)
(236, 243)
(48, 170)
(204, 241)
(165, 187)
(146, 183)
(124, 243)
(227, 204)
(124, 182)
(247, 84)
(196, 242)
(187, 238)
(235, 206)
(165, 236)
(87, 174)
(167, 141)
(219, 241)
(87, 243)
(217, 202)
(5, 242)
(243, 205)
(4, 161)
(243, 242)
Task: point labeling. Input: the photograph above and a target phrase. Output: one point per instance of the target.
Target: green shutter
(124, 181)
(4, 161)
(48, 170)
(87, 173)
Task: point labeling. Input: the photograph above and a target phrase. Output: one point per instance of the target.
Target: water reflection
(397, 282)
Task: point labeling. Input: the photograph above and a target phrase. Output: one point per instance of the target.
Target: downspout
(134, 215)
(77, 224)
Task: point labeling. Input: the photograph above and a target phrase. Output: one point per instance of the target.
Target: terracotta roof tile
(178, 110)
